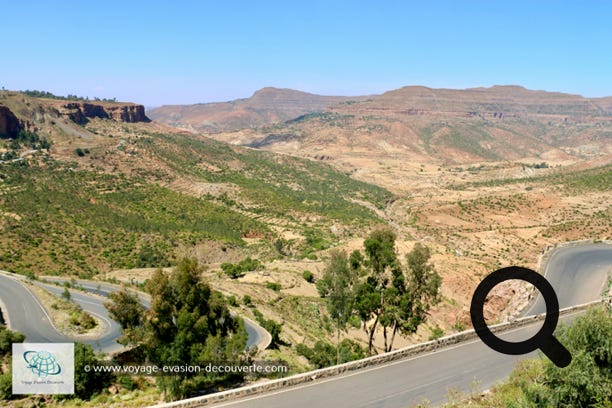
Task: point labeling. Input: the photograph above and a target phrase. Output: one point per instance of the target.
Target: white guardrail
(380, 359)
(358, 364)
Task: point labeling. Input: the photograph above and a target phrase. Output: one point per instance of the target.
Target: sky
(183, 52)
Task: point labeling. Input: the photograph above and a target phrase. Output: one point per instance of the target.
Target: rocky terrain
(80, 112)
(9, 124)
(19, 111)
(485, 178)
(445, 126)
(489, 177)
(266, 106)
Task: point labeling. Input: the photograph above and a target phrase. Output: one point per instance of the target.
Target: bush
(308, 276)
(274, 286)
(324, 354)
(436, 333)
(66, 294)
(586, 382)
(231, 300)
(6, 386)
(83, 320)
(7, 338)
(246, 300)
(231, 270)
(238, 270)
(271, 327)
(127, 383)
(87, 384)
(354, 321)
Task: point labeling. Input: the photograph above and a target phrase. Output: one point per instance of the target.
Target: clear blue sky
(177, 51)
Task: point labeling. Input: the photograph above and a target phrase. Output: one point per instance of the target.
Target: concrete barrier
(358, 364)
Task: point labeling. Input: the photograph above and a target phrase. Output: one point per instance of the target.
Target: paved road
(94, 305)
(26, 315)
(576, 285)
(257, 335)
(576, 273)
(24, 312)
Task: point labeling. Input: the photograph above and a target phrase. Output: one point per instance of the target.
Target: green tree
(7, 338)
(189, 323)
(336, 287)
(125, 308)
(324, 354)
(308, 276)
(585, 382)
(88, 382)
(414, 290)
(394, 296)
(271, 326)
(382, 263)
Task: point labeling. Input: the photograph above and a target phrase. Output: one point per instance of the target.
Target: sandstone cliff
(80, 112)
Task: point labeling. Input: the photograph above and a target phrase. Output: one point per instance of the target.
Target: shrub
(354, 321)
(88, 383)
(274, 286)
(324, 354)
(6, 386)
(308, 276)
(235, 271)
(436, 333)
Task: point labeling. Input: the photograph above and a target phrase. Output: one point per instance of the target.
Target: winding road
(25, 314)
(576, 273)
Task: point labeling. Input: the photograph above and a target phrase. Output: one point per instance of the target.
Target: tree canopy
(188, 324)
(393, 295)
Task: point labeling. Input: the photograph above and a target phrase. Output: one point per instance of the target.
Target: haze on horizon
(186, 52)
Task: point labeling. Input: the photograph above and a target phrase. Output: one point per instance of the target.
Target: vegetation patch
(116, 220)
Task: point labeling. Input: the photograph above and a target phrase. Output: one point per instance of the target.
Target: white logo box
(43, 368)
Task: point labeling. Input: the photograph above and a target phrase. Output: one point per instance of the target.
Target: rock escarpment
(9, 124)
(80, 112)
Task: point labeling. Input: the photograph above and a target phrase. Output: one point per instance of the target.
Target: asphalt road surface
(95, 306)
(24, 312)
(576, 285)
(256, 334)
(26, 315)
(577, 274)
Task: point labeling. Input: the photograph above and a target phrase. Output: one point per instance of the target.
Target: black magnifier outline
(543, 339)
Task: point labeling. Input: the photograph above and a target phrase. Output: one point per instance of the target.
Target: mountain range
(266, 106)
(418, 123)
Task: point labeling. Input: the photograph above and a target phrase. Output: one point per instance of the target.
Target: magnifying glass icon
(543, 339)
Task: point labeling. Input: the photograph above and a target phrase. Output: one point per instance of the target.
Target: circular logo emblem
(42, 363)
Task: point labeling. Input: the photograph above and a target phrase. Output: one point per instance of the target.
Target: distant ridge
(416, 123)
(266, 106)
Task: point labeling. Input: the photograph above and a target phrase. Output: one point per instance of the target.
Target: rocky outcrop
(127, 113)
(9, 124)
(80, 112)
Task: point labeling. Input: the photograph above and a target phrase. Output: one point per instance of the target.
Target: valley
(485, 178)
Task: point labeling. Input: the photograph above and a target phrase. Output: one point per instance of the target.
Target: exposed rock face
(128, 113)
(79, 112)
(9, 124)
